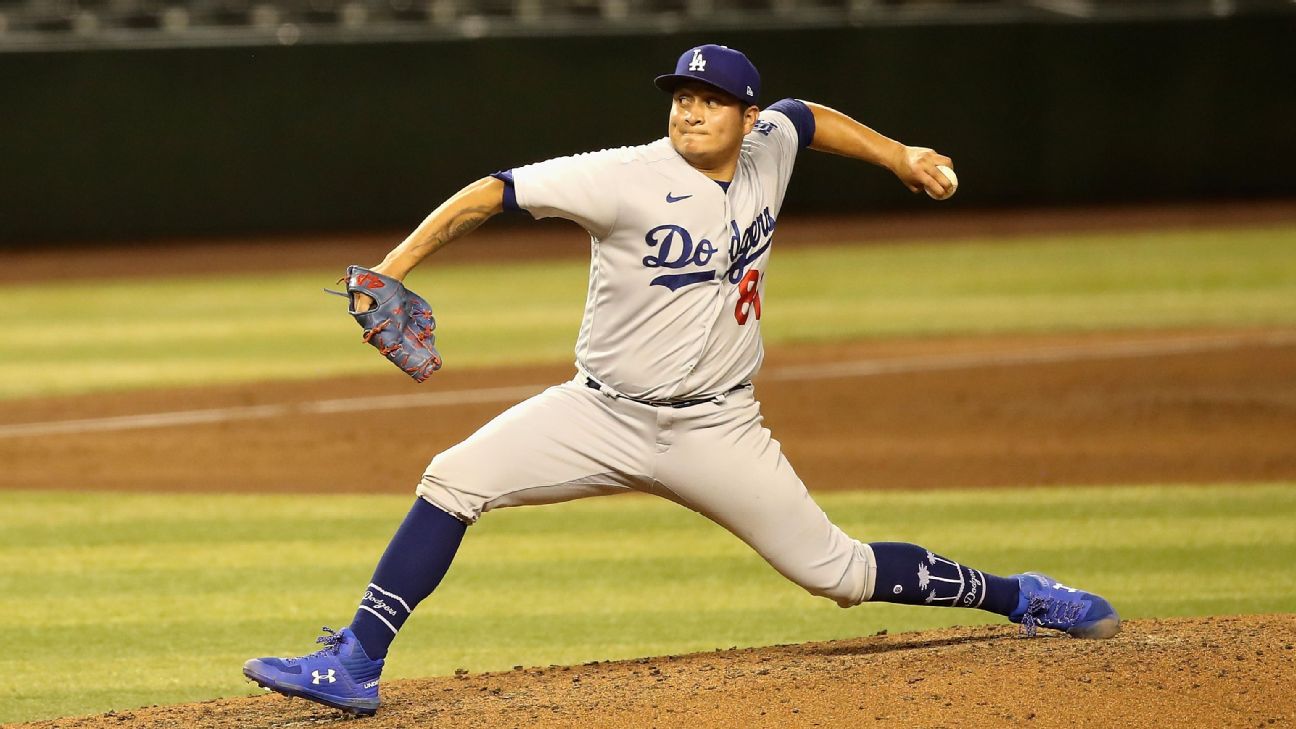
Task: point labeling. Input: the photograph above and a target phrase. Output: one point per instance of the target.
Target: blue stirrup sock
(416, 559)
(911, 575)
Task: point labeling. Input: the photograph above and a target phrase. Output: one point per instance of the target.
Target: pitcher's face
(707, 125)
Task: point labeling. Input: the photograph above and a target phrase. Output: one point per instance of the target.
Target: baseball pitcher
(662, 402)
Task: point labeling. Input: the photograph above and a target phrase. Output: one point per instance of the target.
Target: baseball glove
(399, 325)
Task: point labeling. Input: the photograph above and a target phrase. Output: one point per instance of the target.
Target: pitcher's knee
(847, 582)
(439, 491)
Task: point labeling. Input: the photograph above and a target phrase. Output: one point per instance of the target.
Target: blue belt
(593, 385)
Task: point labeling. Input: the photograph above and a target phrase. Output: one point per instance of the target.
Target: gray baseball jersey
(677, 262)
(673, 314)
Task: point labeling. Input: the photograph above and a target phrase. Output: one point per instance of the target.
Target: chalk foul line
(825, 371)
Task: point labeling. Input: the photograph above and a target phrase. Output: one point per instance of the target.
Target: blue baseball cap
(718, 66)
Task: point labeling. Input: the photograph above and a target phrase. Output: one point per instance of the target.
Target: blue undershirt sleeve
(801, 116)
(510, 194)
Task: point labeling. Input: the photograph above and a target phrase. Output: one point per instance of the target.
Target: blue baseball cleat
(1047, 602)
(340, 675)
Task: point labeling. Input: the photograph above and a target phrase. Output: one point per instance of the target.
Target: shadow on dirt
(881, 644)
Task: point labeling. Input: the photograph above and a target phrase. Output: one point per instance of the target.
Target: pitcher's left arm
(915, 166)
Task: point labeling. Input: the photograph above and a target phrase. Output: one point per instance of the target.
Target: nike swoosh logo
(671, 199)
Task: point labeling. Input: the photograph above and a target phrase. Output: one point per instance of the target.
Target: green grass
(73, 337)
(121, 600)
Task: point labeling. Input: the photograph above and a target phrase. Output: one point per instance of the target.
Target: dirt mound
(1209, 672)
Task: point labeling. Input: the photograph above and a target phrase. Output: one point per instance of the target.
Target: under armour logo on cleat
(316, 676)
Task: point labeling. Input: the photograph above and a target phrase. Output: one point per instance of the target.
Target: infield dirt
(1197, 416)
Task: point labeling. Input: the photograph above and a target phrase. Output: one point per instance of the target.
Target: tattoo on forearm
(467, 221)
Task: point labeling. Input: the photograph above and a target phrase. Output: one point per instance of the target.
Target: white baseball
(953, 179)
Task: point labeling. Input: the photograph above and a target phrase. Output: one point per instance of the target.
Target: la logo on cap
(698, 63)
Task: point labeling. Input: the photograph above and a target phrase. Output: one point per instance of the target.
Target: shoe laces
(332, 644)
(1049, 612)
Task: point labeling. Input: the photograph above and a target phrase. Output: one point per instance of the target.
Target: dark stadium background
(136, 119)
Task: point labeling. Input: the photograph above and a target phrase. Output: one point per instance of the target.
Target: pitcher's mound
(1201, 672)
